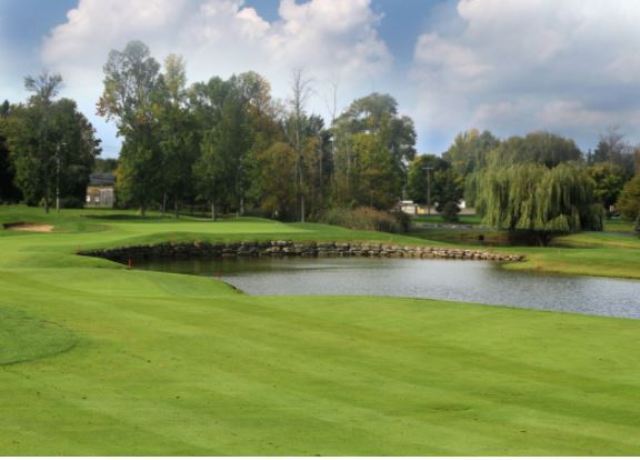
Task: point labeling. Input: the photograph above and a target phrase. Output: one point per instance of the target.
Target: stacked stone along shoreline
(282, 248)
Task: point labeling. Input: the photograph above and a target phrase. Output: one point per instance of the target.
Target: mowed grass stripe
(170, 364)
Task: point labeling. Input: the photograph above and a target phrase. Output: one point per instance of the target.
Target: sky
(571, 67)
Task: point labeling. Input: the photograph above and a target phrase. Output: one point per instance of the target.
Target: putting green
(168, 364)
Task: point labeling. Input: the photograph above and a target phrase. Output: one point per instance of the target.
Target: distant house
(415, 209)
(100, 191)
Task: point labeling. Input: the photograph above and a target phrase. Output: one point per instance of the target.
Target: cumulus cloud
(329, 39)
(518, 65)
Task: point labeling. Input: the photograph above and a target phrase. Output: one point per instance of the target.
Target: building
(100, 191)
(415, 209)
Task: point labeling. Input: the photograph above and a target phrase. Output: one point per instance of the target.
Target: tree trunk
(302, 211)
(47, 205)
(176, 208)
(164, 203)
(143, 210)
(213, 211)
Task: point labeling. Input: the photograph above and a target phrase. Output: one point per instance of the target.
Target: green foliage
(629, 201)
(219, 171)
(539, 147)
(131, 87)
(540, 201)
(372, 144)
(275, 183)
(469, 151)
(446, 183)
(105, 165)
(8, 191)
(609, 180)
(366, 218)
(612, 148)
(53, 146)
(450, 211)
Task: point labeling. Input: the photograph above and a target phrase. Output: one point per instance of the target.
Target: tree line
(229, 144)
(231, 147)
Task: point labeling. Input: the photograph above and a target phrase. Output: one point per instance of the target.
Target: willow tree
(536, 202)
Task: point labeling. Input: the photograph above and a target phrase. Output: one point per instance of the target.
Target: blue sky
(511, 66)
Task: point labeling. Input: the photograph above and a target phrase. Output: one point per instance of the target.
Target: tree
(8, 190)
(276, 180)
(53, 145)
(612, 148)
(300, 89)
(219, 170)
(539, 147)
(177, 138)
(539, 202)
(105, 165)
(629, 201)
(609, 180)
(129, 98)
(446, 184)
(469, 150)
(390, 140)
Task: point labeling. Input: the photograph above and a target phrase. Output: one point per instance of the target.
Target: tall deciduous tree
(177, 136)
(629, 201)
(539, 147)
(469, 151)
(609, 180)
(300, 91)
(613, 148)
(53, 145)
(219, 170)
(390, 138)
(130, 98)
(276, 180)
(8, 190)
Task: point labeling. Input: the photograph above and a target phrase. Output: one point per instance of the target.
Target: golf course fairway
(96, 359)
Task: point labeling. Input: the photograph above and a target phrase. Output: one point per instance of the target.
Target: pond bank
(281, 248)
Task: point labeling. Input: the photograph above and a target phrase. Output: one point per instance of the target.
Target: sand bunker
(27, 227)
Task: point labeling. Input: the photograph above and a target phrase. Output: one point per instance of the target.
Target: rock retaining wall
(291, 248)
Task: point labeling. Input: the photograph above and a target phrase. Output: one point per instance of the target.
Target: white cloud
(517, 65)
(330, 39)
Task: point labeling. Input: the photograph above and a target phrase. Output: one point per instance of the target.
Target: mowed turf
(108, 361)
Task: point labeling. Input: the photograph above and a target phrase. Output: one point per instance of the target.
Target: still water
(470, 281)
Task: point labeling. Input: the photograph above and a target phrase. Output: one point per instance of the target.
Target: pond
(469, 281)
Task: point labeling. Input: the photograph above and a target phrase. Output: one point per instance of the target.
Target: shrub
(450, 211)
(365, 218)
(71, 202)
(629, 200)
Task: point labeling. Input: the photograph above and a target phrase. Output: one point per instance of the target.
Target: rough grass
(167, 364)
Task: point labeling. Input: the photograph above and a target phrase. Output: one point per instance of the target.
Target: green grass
(464, 219)
(125, 362)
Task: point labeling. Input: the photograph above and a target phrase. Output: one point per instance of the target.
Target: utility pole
(428, 169)
(58, 178)
(61, 144)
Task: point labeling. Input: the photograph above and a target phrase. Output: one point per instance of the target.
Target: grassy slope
(172, 364)
(613, 253)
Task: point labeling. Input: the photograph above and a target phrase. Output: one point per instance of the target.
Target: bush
(71, 202)
(629, 200)
(450, 211)
(365, 218)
